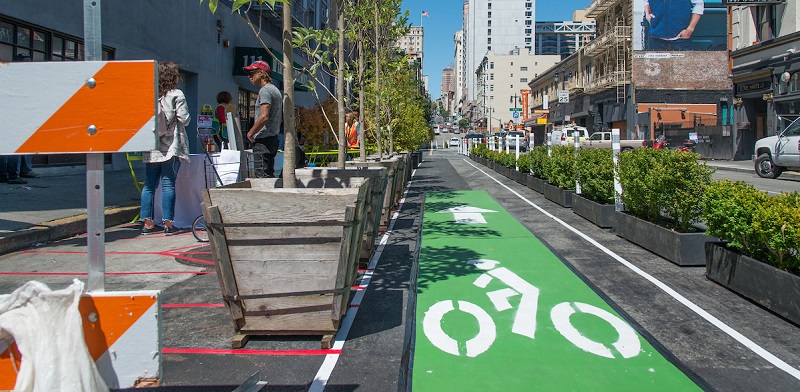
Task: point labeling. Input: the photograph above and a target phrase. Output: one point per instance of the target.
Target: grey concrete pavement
(53, 207)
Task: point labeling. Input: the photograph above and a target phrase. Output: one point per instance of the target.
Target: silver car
(512, 138)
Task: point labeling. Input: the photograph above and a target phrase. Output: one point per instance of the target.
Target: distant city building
(498, 26)
(564, 38)
(448, 88)
(458, 60)
(412, 43)
(500, 81)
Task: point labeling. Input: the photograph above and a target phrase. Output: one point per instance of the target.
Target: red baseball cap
(257, 65)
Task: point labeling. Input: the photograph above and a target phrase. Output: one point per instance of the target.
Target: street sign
(514, 109)
(545, 102)
(563, 96)
(515, 115)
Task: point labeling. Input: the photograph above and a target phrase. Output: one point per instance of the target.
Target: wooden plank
(239, 340)
(327, 341)
(312, 205)
(222, 259)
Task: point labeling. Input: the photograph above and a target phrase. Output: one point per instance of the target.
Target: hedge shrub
(560, 168)
(664, 186)
(594, 170)
(538, 157)
(524, 163)
(762, 227)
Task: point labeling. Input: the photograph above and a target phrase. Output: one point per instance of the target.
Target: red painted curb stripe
(248, 352)
(23, 273)
(167, 306)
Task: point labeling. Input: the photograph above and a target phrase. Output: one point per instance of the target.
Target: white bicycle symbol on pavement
(627, 345)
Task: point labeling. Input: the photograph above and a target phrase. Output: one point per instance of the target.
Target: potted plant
(524, 168)
(662, 190)
(594, 170)
(538, 157)
(759, 259)
(561, 172)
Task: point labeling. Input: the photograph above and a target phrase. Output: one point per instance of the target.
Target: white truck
(776, 154)
(603, 140)
(564, 135)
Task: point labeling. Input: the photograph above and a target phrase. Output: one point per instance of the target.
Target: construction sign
(79, 107)
(122, 333)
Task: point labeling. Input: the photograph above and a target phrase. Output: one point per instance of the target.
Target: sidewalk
(54, 207)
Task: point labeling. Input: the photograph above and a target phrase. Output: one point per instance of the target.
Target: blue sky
(445, 20)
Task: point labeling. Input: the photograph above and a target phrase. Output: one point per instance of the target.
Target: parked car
(564, 135)
(603, 140)
(454, 141)
(511, 139)
(478, 137)
(436, 131)
(776, 154)
(456, 131)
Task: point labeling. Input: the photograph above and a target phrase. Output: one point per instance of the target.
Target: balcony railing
(617, 35)
(609, 80)
(597, 7)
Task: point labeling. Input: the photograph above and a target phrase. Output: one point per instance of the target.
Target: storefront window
(794, 82)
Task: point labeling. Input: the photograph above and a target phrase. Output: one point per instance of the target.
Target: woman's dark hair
(168, 77)
(224, 97)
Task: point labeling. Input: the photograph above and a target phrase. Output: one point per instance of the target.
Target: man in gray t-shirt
(267, 125)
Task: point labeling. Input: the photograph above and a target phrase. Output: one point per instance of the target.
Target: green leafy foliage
(762, 227)
(560, 168)
(728, 210)
(524, 163)
(538, 157)
(594, 169)
(664, 186)
(777, 225)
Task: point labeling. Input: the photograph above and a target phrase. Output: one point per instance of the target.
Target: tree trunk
(289, 134)
(362, 157)
(340, 91)
(377, 85)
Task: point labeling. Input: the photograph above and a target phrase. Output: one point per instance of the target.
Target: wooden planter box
(601, 215)
(536, 184)
(349, 178)
(562, 197)
(393, 182)
(285, 258)
(684, 249)
(770, 287)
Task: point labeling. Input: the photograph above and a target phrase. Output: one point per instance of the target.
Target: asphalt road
(718, 338)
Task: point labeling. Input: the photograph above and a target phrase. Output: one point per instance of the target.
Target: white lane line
(753, 346)
(325, 371)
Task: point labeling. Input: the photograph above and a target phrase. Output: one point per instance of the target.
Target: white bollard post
(617, 186)
(505, 141)
(577, 136)
(516, 166)
(549, 143)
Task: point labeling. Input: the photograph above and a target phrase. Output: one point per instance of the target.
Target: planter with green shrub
(538, 158)
(662, 190)
(560, 169)
(594, 170)
(759, 259)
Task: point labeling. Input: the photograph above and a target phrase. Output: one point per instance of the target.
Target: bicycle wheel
(199, 229)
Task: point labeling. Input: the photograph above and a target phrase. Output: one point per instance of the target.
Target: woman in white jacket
(162, 164)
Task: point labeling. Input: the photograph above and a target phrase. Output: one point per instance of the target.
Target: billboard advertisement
(678, 25)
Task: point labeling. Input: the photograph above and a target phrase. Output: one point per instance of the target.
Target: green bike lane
(497, 310)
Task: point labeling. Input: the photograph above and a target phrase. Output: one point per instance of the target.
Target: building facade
(210, 49)
(630, 79)
(458, 72)
(765, 59)
(412, 44)
(499, 26)
(448, 88)
(501, 81)
(563, 38)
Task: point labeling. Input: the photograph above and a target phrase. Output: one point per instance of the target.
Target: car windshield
(793, 129)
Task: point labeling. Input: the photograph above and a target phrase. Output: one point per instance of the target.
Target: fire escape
(611, 50)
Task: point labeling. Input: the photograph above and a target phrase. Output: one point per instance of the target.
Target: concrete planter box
(772, 288)
(562, 197)
(536, 184)
(602, 215)
(521, 178)
(684, 249)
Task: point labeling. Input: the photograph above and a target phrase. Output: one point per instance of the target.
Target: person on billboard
(672, 22)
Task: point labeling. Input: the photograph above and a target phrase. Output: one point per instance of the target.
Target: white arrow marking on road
(466, 214)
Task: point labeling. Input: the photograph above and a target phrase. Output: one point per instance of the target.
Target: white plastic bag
(47, 328)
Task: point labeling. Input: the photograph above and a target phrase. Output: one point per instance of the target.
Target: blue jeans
(165, 173)
(8, 167)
